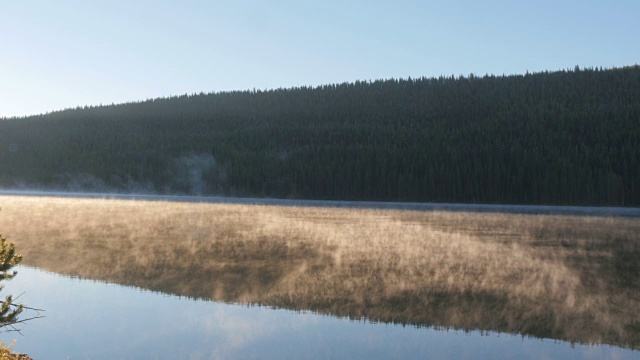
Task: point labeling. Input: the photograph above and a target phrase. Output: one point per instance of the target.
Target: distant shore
(486, 208)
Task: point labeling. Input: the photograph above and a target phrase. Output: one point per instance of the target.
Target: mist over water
(190, 174)
(569, 278)
(196, 174)
(382, 205)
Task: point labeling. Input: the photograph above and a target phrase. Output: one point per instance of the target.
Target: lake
(93, 320)
(205, 280)
(492, 208)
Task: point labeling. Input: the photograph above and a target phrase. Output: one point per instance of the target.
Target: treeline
(566, 137)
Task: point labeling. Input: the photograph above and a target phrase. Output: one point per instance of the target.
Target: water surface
(415, 206)
(93, 320)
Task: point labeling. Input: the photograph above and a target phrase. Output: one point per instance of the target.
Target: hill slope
(568, 137)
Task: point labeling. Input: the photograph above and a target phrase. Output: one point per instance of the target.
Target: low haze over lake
(397, 274)
(328, 179)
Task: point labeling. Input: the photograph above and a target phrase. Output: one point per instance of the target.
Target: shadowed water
(93, 320)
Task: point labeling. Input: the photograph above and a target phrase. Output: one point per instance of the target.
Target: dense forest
(564, 137)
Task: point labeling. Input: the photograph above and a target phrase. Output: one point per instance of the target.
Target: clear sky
(67, 53)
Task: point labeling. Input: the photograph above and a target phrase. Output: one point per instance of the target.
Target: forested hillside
(567, 137)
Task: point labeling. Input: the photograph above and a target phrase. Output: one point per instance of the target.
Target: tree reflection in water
(561, 277)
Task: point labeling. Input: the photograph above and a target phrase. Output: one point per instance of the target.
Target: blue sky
(67, 53)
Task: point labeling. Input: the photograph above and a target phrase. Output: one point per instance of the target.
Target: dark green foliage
(568, 137)
(8, 259)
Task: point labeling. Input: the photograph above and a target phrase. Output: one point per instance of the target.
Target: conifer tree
(8, 259)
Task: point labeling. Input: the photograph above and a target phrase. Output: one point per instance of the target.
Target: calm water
(508, 209)
(93, 320)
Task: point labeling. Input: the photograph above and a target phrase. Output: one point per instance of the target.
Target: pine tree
(8, 259)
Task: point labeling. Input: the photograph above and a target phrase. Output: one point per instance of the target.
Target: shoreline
(453, 207)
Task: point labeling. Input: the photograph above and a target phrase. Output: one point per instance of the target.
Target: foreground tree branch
(10, 311)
